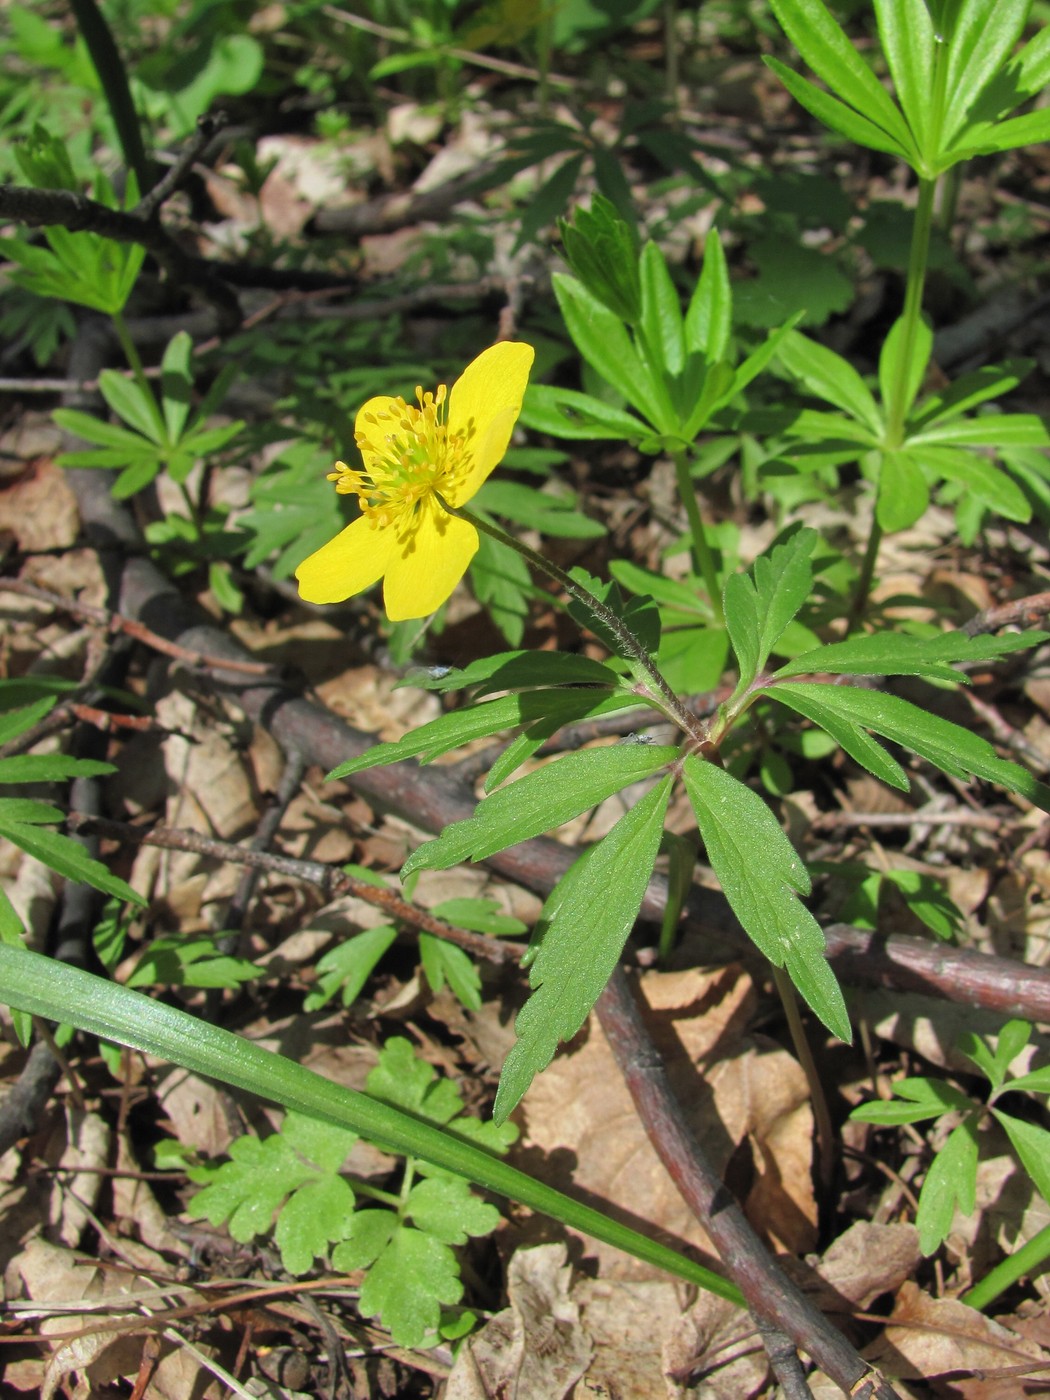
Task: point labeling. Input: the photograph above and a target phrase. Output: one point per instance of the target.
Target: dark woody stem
(633, 650)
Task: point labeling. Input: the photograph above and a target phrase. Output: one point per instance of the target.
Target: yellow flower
(416, 455)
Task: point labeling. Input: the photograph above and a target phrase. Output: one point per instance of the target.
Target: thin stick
(331, 881)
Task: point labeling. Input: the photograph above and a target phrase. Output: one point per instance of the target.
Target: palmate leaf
(828, 51)
(947, 746)
(762, 875)
(540, 802)
(581, 934)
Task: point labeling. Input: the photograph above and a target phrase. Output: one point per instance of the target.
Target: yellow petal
(489, 393)
(375, 435)
(428, 562)
(353, 561)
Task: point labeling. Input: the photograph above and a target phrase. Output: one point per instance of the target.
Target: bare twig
(331, 881)
(1021, 612)
(983, 821)
(114, 622)
(208, 127)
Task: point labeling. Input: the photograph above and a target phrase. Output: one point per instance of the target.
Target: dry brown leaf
(927, 1337)
(40, 510)
(86, 1140)
(713, 1351)
(535, 1349)
(738, 1093)
(863, 1263)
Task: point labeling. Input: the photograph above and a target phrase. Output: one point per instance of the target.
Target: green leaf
(479, 914)
(403, 1079)
(903, 491)
(928, 901)
(409, 1283)
(909, 44)
(16, 722)
(246, 1192)
(761, 875)
(829, 52)
(49, 768)
(444, 962)
(829, 377)
(602, 250)
(602, 340)
(896, 654)
(950, 747)
(838, 116)
(986, 138)
(917, 1099)
(1010, 1041)
(661, 325)
(549, 514)
(516, 670)
(445, 1207)
(176, 385)
(317, 1215)
(580, 936)
(566, 413)
(983, 36)
(135, 404)
(44, 987)
(177, 961)
(501, 582)
(92, 429)
(540, 802)
(966, 392)
(984, 482)
(760, 604)
(346, 968)
(20, 823)
(890, 356)
(709, 319)
(1032, 1145)
(472, 722)
(988, 430)
(860, 746)
(951, 1181)
(1037, 1081)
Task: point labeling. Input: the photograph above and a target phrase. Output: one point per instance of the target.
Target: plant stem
(138, 370)
(821, 1112)
(703, 558)
(901, 390)
(1025, 1260)
(633, 651)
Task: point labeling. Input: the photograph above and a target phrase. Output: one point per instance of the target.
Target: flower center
(408, 453)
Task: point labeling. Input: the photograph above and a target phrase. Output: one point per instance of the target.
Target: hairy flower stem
(634, 652)
(703, 559)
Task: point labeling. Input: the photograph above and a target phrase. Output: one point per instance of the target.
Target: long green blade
(43, 987)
